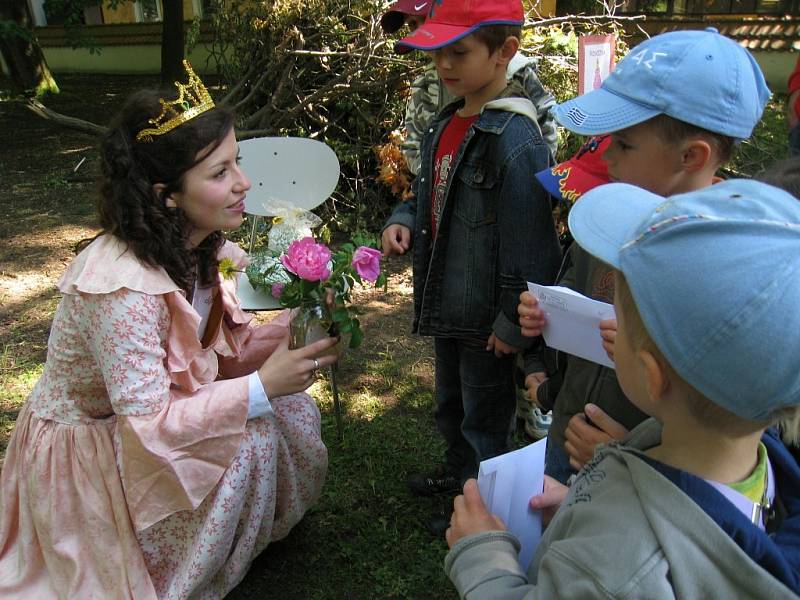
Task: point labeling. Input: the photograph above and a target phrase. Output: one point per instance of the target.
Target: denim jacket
(496, 229)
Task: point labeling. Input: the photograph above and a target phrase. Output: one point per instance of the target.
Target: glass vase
(312, 322)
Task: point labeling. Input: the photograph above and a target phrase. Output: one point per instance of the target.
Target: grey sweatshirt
(624, 531)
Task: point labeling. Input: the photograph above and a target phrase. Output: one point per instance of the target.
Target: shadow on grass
(365, 538)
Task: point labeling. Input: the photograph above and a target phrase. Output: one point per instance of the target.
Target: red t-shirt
(446, 150)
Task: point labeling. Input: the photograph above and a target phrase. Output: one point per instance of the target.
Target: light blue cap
(715, 275)
(699, 77)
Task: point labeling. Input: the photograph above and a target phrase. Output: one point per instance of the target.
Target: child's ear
(169, 201)
(507, 51)
(656, 375)
(696, 155)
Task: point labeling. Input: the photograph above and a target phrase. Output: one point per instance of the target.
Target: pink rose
(367, 263)
(307, 259)
(277, 290)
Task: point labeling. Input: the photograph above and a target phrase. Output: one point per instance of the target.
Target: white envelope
(506, 483)
(573, 322)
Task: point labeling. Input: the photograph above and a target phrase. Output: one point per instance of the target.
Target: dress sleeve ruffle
(171, 460)
(179, 425)
(107, 265)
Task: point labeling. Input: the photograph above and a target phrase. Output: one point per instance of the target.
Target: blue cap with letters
(700, 77)
(716, 279)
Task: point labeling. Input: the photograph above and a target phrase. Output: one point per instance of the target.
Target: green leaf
(340, 315)
(356, 338)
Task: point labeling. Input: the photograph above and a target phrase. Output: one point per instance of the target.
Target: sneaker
(438, 525)
(524, 404)
(538, 423)
(431, 484)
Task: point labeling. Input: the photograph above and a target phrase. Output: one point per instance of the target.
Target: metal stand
(337, 405)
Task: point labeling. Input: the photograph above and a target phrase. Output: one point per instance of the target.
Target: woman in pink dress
(167, 441)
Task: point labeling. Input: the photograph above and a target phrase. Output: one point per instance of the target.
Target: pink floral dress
(133, 471)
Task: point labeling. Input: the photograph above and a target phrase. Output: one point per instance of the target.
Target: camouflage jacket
(429, 97)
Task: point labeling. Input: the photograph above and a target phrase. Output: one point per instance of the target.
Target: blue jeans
(556, 462)
(475, 403)
(794, 141)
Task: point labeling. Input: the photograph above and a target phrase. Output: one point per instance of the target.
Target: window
(148, 11)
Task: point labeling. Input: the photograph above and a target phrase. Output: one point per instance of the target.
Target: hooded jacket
(496, 229)
(632, 527)
(429, 96)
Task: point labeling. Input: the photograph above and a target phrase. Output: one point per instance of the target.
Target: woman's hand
(290, 371)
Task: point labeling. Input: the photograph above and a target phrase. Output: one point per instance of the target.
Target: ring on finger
(316, 364)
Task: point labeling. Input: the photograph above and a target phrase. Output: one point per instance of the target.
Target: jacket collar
(779, 552)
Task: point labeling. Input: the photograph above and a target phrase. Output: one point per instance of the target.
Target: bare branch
(582, 19)
(86, 127)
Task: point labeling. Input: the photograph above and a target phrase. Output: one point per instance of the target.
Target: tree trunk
(172, 42)
(22, 53)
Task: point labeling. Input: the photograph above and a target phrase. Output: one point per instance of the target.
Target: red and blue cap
(450, 20)
(569, 180)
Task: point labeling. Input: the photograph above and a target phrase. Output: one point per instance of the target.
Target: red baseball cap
(451, 20)
(569, 180)
(395, 15)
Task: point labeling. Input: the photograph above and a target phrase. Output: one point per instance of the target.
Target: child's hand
(470, 515)
(550, 499)
(396, 239)
(608, 331)
(500, 347)
(582, 437)
(531, 317)
(532, 383)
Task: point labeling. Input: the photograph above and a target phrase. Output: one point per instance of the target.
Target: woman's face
(213, 192)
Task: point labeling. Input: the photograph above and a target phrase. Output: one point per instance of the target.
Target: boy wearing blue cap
(675, 106)
(702, 501)
(481, 226)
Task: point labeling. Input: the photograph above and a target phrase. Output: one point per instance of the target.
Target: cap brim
(576, 185)
(609, 216)
(432, 36)
(601, 111)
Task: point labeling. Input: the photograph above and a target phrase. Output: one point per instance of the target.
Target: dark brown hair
(672, 131)
(494, 36)
(129, 207)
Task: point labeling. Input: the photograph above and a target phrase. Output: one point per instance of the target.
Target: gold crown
(193, 99)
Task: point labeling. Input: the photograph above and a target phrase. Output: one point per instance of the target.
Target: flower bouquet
(319, 282)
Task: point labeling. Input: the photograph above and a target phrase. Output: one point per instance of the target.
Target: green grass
(365, 538)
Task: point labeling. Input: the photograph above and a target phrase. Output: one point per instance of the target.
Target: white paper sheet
(506, 483)
(573, 322)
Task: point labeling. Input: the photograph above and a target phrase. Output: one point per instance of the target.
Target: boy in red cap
(481, 226)
(429, 95)
(405, 12)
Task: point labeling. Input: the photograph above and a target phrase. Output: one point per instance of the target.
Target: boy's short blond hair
(700, 407)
